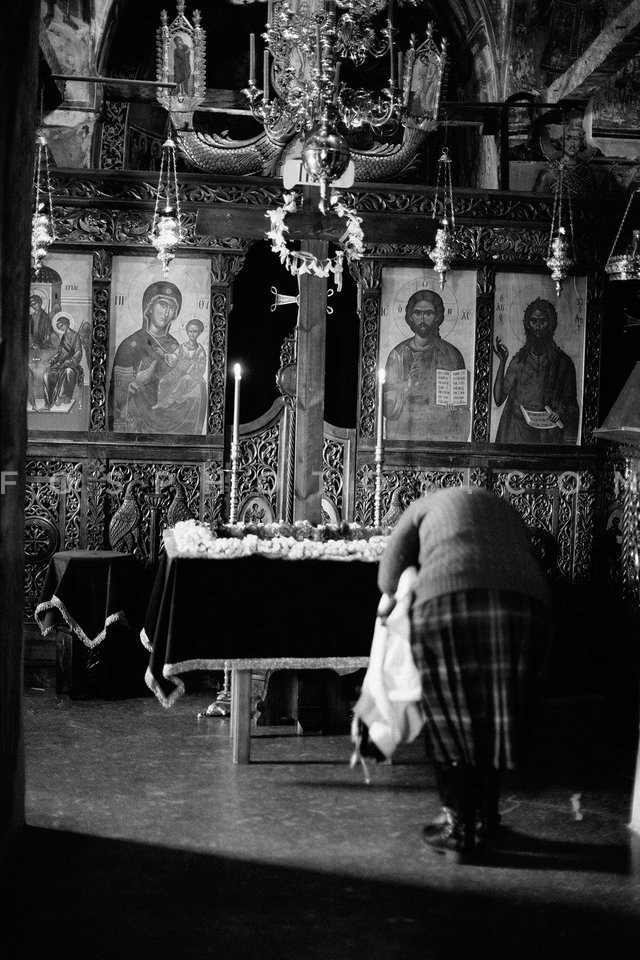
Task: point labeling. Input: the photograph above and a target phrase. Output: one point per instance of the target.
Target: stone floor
(143, 840)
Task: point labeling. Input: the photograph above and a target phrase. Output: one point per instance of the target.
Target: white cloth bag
(390, 702)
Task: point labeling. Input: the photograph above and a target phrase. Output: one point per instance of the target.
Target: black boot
(487, 804)
(452, 834)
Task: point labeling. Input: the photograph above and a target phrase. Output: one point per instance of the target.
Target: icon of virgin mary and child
(158, 384)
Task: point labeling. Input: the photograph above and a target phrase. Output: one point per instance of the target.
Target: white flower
(303, 262)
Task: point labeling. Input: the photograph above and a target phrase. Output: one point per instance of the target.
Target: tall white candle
(252, 58)
(381, 382)
(270, 12)
(265, 75)
(237, 372)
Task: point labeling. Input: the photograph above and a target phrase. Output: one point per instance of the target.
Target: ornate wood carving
(561, 502)
(93, 186)
(401, 487)
(483, 353)
(258, 470)
(52, 519)
(481, 205)
(94, 503)
(368, 275)
(112, 140)
(212, 496)
(101, 277)
(224, 268)
(333, 459)
(159, 477)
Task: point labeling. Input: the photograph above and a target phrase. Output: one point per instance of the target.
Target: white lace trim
(166, 701)
(171, 670)
(56, 604)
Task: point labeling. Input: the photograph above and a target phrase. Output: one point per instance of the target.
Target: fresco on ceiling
(67, 23)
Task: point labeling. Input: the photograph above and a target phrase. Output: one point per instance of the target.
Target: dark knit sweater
(462, 538)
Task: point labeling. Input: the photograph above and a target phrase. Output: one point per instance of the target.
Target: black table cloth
(87, 590)
(259, 612)
(98, 597)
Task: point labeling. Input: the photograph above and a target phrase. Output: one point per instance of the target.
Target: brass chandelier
(302, 92)
(625, 266)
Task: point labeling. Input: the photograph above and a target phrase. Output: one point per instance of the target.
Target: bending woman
(480, 625)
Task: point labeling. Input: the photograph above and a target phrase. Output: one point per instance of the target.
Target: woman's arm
(403, 548)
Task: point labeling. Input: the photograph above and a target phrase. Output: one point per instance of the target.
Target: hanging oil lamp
(166, 231)
(443, 252)
(559, 259)
(42, 224)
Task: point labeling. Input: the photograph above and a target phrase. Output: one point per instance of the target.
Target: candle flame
(382, 377)
(237, 371)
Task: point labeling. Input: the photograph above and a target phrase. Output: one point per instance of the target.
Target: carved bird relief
(124, 528)
(392, 515)
(178, 508)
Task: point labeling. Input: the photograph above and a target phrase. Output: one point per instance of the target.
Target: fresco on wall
(616, 104)
(144, 150)
(538, 360)
(567, 145)
(427, 341)
(160, 346)
(60, 344)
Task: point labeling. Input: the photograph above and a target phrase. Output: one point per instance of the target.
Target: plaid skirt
(480, 654)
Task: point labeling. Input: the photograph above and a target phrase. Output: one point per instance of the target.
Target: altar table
(255, 612)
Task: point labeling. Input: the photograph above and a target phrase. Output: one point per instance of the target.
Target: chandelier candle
(252, 58)
(265, 72)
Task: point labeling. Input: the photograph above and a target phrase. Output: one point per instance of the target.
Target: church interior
(217, 224)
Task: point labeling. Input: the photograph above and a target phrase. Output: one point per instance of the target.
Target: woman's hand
(386, 605)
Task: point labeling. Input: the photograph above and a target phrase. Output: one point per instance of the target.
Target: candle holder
(153, 502)
(221, 706)
(377, 490)
(233, 495)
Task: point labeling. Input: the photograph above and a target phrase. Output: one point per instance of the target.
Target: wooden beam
(245, 221)
(312, 336)
(611, 49)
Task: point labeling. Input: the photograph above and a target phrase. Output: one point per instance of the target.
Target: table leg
(241, 715)
(233, 703)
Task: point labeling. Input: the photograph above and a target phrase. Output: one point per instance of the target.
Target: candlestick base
(221, 706)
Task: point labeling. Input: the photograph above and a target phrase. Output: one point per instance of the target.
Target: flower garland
(301, 261)
(195, 539)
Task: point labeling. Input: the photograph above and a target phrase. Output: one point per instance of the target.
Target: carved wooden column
(368, 275)
(312, 335)
(224, 268)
